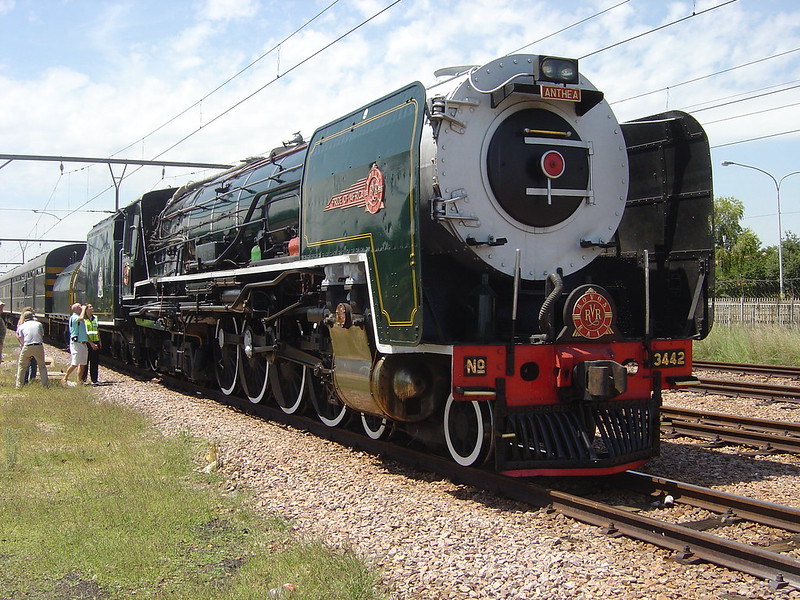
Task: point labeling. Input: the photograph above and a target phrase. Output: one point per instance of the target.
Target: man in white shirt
(30, 335)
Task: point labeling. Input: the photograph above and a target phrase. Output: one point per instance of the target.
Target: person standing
(93, 333)
(30, 372)
(2, 329)
(30, 335)
(78, 343)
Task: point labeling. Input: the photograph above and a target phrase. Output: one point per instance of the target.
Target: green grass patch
(770, 345)
(97, 504)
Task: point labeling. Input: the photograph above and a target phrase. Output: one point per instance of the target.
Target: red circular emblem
(374, 186)
(592, 315)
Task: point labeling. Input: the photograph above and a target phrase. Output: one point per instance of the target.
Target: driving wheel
(468, 431)
(226, 354)
(253, 360)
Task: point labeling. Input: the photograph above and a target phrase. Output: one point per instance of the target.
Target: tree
(743, 266)
(746, 257)
(738, 250)
(791, 264)
(728, 212)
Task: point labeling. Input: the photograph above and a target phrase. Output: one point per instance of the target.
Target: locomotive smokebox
(526, 159)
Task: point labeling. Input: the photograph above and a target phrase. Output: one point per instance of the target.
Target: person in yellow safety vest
(93, 332)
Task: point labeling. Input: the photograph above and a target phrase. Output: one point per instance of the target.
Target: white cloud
(223, 10)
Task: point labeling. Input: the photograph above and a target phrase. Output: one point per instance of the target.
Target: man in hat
(78, 341)
(30, 335)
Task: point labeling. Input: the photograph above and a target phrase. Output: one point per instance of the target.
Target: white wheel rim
(468, 460)
(260, 394)
(335, 420)
(263, 392)
(374, 434)
(290, 410)
(220, 338)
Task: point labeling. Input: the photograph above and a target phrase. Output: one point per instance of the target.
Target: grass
(757, 345)
(97, 504)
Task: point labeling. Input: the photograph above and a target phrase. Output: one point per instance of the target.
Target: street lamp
(777, 183)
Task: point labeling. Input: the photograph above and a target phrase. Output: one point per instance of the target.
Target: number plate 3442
(660, 359)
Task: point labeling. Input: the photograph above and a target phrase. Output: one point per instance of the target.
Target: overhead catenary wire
(230, 79)
(242, 101)
(682, 19)
(753, 139)
(46, 204)
(659, 28)
(568, 27)
(702, 77)
(753, 97)
(692, 107)
(221, 85)
(715, 106)
(750, 114)
(693, 80)
(278, 77)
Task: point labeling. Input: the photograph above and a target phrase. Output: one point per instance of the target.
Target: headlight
(631, 366)
(558, 70)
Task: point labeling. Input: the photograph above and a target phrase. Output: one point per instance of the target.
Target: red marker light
(553, 164)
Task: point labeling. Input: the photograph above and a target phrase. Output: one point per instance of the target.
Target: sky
(216, 81)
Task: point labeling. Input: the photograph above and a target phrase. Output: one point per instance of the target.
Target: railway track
(763, 391)
(768, 436)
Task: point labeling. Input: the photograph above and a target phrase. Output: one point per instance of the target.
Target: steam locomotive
(493, 266)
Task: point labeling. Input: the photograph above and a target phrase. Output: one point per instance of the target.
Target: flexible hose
(546, 312)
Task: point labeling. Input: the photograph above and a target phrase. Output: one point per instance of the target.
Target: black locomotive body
(492, 265)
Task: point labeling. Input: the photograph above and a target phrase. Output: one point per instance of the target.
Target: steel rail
(723, 503)
(768, 435)
(689, 544)
(766, 391)
(750, 369)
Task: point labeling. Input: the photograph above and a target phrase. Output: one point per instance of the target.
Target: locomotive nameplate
(367, 192)
(668, 358)
(552, 92)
